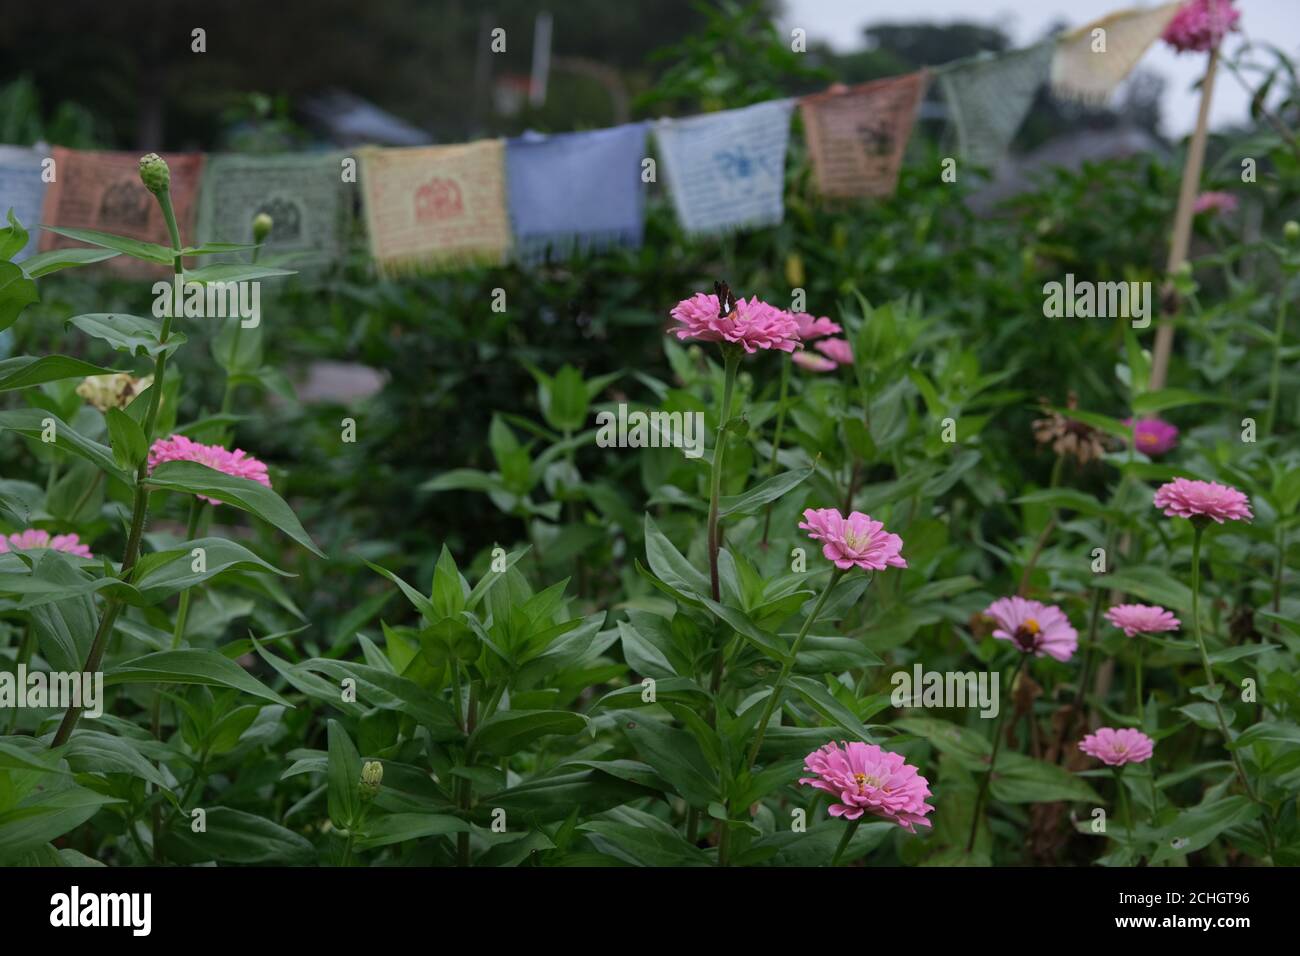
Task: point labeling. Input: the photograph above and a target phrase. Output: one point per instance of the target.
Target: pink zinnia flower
(810, 328)
(1153, 436)
(237, 463)
(754, 324)
(34, 538)
(837, 350)
(1221, 204)
(1034, 627)
(812, 362)
(1188, 498)
(868, 779)
(1200, 25)
(858, 540)
(1135, 619)
(1118, 747)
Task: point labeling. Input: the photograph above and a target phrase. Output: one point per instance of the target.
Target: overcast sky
(840, 23)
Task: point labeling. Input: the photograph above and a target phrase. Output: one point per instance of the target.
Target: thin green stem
(731, 358)
(776, 443)
(1126, 808)
(1275, 372)
(24, 656)
(845, 840)
(1197, 533)
(788, 665)
(1141, 647)
(993, 760)
(182, 611)
(140, 501)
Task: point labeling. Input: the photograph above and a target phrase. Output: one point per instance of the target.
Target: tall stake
(1183, 225)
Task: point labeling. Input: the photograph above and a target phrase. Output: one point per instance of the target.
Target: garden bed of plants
(938, 580)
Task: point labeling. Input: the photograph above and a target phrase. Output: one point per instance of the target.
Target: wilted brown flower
(1068, 436)
(112, 391)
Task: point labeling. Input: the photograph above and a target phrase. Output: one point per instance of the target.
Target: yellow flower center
(866, 780)
(1031, 626)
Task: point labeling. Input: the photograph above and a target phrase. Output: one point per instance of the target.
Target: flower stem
(787, 666)
(993, 760)
(1197, 533)
(851, 829)
(24, 656)
(182, 611)
(1275, 372)
(1126, 808)
(776, 443)
(731, 359)
(1138, 676)
(140, 501)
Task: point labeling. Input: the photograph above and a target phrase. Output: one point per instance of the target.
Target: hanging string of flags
(538, 197)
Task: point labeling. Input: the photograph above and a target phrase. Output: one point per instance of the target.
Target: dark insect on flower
(726, 301)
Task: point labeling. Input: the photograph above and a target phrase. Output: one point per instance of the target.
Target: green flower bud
(262, 224)
(155, 175)
(1291, 231)
(372, 775)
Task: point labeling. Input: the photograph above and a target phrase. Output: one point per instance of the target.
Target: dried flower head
(1069, 436)
(116, 390)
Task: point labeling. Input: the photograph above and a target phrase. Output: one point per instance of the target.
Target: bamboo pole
(1183, 227)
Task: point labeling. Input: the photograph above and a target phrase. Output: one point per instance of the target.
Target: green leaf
(564, 400)
(127, 439)
(1149, 584)
(233, 836)
(769, 644)
(763, 493)
(13, 237)
(669, 565)
(1066, 498)
(190, 666)
(464, 479)
(31, 423)
(94, 751)
(1021, 779)
(824, 702)
(17, 292)
(218, 248)
(25, 370)
(646, 846)
(242, 493)
(161, 574)
(448, 590)
(135, 248)
(43, 263)
(675, 755)
(234, 272)
(400, 827)
(418, 600)
(1193, 829)
(388, 691)
(509, 731)
(1151, 402)
(133, 334)
(344, 775)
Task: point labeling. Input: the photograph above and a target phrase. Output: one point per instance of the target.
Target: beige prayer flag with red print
(856, 135)
(1095, 58)
(102, 191)
(430, 207)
